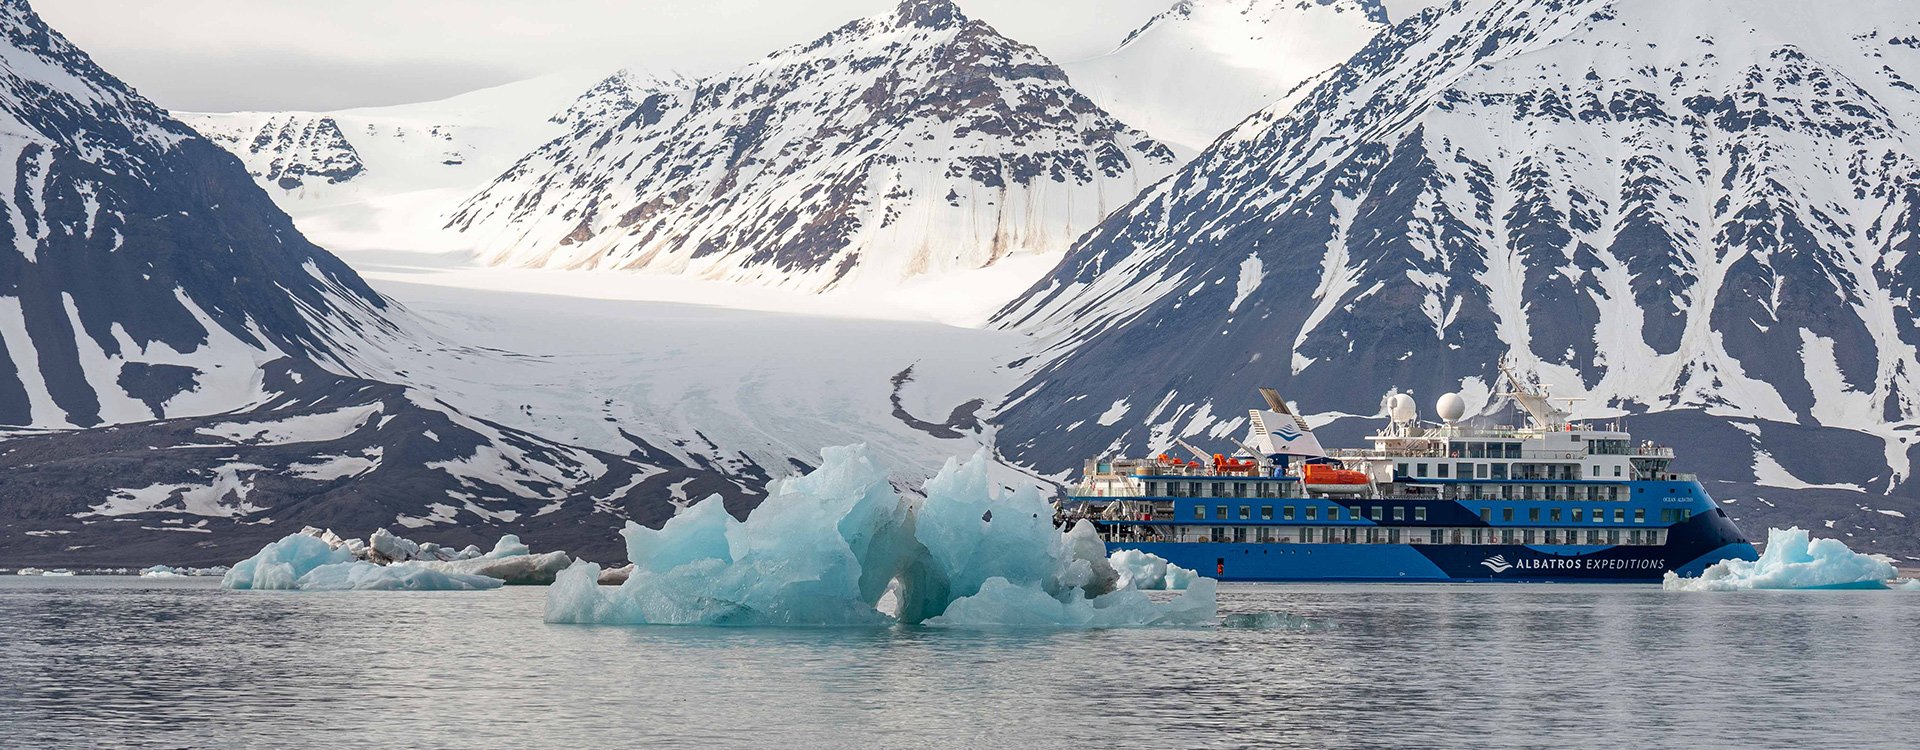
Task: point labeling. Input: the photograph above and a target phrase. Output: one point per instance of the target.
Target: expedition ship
(1555, 500)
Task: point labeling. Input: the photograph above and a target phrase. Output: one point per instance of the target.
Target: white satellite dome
(1451, 407)
(1401, 407)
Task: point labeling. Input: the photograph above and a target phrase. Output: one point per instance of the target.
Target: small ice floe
(162, 571)
(1149, 572)
(828, 547)
(320, 560)
(58, 573)
(29, 572)
(1792, 561)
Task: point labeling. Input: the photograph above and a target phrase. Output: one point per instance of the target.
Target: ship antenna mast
(1535, 399)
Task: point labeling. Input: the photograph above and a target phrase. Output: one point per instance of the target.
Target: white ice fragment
(383, 544)
(1148, 572)
(508, 546)
(1792, 561)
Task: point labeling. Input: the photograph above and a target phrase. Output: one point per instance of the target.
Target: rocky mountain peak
(929, 14)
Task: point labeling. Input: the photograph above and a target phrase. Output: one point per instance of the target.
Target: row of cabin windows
(1563, 492)
(1553, 515)
(1675, 515)
(1419, 513)
(1469, 470)
(1264, 490)
(1159, 488)
(1483, 450)
(1389, 535)
(1311, 513)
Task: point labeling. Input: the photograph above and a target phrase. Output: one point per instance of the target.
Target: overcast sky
(224, 55)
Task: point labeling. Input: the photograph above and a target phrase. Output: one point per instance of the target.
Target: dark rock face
(1715, 225)
(916, 141)
(291, 150)
(132, 246)
(327, 451)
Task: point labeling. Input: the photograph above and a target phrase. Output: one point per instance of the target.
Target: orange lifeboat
(1326, 478)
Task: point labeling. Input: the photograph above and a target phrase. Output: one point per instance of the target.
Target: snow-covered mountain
(1194, 71)
(1704, 213)
(182, 371)
(142, 275)
(389, 176)
(913, 142)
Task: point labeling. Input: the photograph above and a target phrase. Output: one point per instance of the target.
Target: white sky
(224, 55)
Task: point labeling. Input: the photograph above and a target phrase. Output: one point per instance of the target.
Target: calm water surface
(122, 662)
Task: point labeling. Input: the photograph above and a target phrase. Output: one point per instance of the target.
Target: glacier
(1792, 560)
(836, 546)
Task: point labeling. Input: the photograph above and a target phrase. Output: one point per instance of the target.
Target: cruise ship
(1553, 500)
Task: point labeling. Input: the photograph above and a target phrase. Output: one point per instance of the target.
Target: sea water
(142, 662)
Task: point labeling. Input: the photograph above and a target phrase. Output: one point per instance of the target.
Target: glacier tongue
(1792, 561)
(826, 548)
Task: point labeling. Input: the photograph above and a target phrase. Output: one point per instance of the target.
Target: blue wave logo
(1288, 432)
(1497, 563)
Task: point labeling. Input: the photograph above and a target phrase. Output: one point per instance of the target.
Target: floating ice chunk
(518, 570)
(361, 575)
(279, 565)
(1791, 561)
(826, 548)
(1150, 572)
(508, 546)
(383, 545)
(162, 571)
(1909, 584)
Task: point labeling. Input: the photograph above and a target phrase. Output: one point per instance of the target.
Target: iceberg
(1791, 561)
(829, 547)
(361, 575)
(162, 571)
(279, 565)
(1150, 572)
(320, 560)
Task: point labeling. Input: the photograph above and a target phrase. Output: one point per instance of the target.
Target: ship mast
(1535, 400)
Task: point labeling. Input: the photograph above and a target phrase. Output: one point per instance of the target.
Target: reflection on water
(176, 663)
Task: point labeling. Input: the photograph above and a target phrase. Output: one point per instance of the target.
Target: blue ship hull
(1707, 536)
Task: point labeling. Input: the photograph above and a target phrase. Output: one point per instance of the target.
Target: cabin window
(1533, 515)
(1399, 513)
(1312, 512)
(1476, 450)
(1436, 536)
(1246, 512)
(1639, 515)
(1579, 515)
(1486, 514)
(1619, 515)
(1499, 471)
(1240, 534)
(1616, 470)
(1220, 512)
(1506, 514)
(1552, 536)
(1220, 489)
(1286, 513)
(1376, 514)
(1393, 536)
(1554, 515)
(1373, 535)
(1440, 470)
(1199, 511)
(1526, 536)
(1153, 489)
(1513, 450)
(1686, 514)
(1195, 488)
(1240, 489)
(1507, 492)
(1400, 470)
(1613, 536)
(1266, 512)
(1613, 493)
(1506, 536)
(1463, 470)
(1420, 513)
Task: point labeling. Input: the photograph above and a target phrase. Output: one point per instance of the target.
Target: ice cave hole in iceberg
(1793, 560)
(837, 545)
